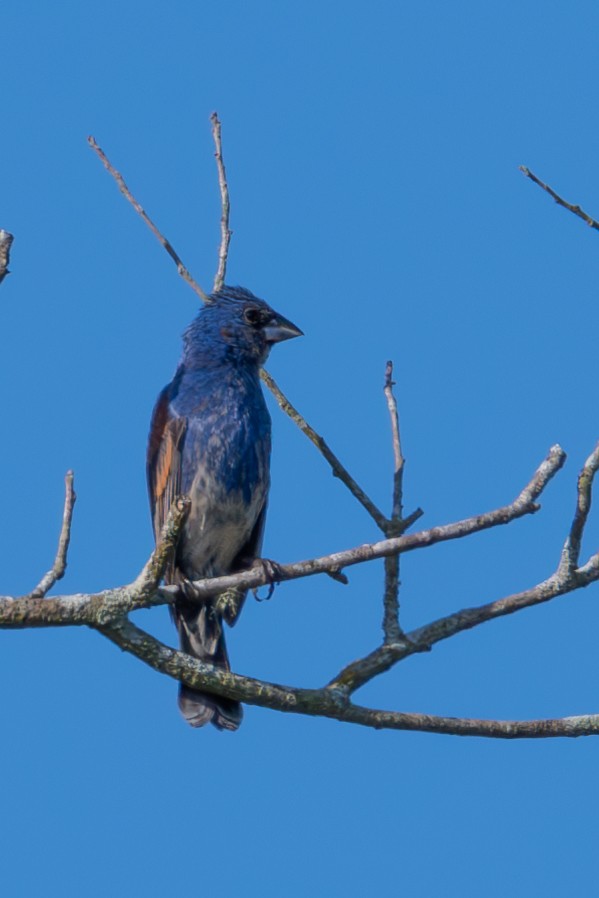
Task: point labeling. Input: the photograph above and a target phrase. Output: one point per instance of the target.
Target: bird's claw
(272, 571)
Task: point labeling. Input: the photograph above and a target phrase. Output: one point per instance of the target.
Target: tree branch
(59, 567)
(6, 240)
(100, 607)
(571, 550)
(524, 504)
(398, 458)
(592, 223)
(422, 639)
(146, 585)
(225, 233)
(338, 469)
(146, 218)
(106, 612)
(391, 626)
(566, 579)
(326, 702)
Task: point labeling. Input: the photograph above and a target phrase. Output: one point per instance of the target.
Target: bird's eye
(252, 316)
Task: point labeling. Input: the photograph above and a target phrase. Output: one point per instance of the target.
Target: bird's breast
(219, 525)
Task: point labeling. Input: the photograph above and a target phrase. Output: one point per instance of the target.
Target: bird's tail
(201, 635)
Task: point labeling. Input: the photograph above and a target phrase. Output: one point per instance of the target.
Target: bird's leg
(225, 605)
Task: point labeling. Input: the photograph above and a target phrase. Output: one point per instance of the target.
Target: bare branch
(559, 584)
(524, 504)
(146, 218)
(338, 469)
(333, 701)
(396, 441)
(96, 609)
(589, 572)
(391, 626)
(326, 702)
(360, 672)
(225, 233)
(59, 567)
(445, 627)
(423, 638)
(587, 725)
(571, 550)
(592, 223)
(6, 240)
(154, 570)
(105, 612)
(105, 606)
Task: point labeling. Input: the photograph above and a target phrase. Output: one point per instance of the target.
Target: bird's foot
(272, 571)
(187, 590)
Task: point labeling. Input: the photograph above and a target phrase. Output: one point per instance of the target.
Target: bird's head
(237, 326)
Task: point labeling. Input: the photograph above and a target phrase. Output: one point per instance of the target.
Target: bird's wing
(165, 447)
(244, 560)
(251, 549)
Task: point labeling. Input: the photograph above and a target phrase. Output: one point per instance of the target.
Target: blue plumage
(210, 440)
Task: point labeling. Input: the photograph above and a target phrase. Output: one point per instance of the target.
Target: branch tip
(570, 556)
(225, 232)
(391, 627)
(57, 571)
(120, 181)
(575, 209)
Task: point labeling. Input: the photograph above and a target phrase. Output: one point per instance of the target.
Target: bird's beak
(281, 329)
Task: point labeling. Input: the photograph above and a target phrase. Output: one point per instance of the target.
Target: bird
(210, 440)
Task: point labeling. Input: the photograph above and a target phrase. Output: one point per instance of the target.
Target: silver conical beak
(281, 329)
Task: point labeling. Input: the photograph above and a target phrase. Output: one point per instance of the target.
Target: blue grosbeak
(210, 440)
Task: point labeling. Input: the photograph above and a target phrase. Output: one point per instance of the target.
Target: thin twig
(6, 240)
(571, 550)
(225, 233)
(154, 570)
(398, 458)
(391, 627)
(59, 567)
(592, 223)
(338, 469)
(183, 271)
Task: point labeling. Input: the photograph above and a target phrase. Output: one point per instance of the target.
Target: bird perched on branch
(210, 440)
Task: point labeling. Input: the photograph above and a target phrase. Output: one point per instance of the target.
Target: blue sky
(373, 154)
